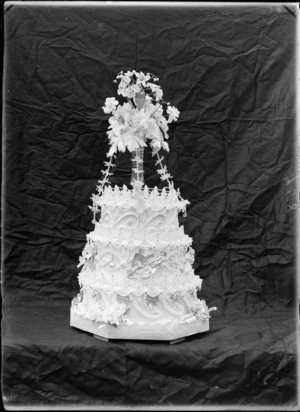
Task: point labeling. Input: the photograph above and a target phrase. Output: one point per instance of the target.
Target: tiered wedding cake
(137, 280)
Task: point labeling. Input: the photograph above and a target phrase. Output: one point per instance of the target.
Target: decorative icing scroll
(146, 310)
(173, 307)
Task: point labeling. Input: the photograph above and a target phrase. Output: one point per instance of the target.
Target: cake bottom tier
(164, 326)
(168, 330)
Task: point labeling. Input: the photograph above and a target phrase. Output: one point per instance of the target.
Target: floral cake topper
(144, 116)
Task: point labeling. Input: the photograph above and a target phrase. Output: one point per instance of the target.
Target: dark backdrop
(231, 73)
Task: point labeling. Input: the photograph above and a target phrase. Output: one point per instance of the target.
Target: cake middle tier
(138, 270)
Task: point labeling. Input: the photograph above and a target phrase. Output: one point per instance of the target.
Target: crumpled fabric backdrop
(231, 73)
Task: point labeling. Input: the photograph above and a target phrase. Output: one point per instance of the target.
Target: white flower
(123, 88)
(110, 105)
(173, 113)
(126, 92)
(134, 140)
(118, 118)
(125, 81)
(156, 90)
(130, 73)
(117, 144)
(153, 131)
(142, 78)
(112, 150)
(156, 146)
(140, 119)
(113, 314)
(135, 88)
(126, 87)
(165, 146)
(131, 126)
(163, 125)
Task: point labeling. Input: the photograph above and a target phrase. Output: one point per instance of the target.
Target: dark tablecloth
(243, 360)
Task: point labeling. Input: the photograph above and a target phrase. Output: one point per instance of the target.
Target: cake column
(137, 172)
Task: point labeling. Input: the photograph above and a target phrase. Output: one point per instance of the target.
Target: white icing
(132, 229)
(137, 262)
(141, 199)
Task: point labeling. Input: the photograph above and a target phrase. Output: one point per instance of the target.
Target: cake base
(172, 342)
(173, 331)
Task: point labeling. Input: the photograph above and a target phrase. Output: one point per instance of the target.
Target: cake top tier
(141, 198)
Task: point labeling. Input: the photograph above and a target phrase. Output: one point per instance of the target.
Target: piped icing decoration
(153, 199)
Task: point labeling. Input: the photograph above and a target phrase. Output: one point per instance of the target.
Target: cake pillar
(137, 172)
(137, 157)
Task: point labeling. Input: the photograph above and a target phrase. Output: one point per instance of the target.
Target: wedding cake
(137, 279)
